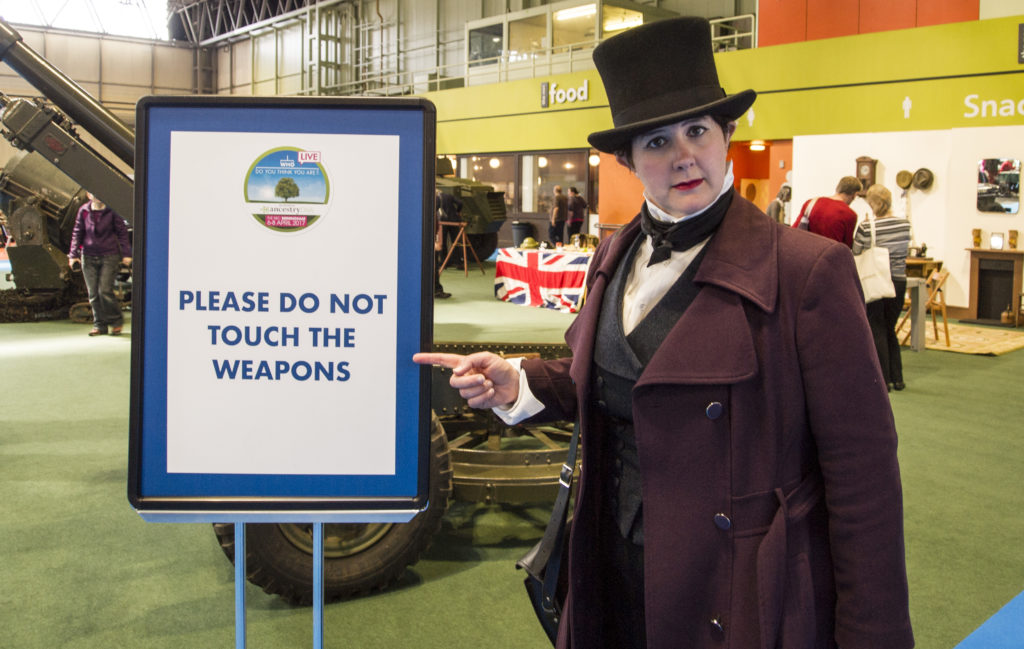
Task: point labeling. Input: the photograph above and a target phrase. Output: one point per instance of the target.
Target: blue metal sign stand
(240, 586)
(318, 585)
(240, 580)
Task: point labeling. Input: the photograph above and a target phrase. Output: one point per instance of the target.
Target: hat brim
(616, 139)
(923, 179)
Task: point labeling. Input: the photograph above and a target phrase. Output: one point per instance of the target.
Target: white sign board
(285, 259)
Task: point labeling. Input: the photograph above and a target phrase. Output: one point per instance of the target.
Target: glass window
(497, 170)
(573, 27)
(527, 35)
(542, 171)
(530, 191)
(618, 18)
(485, 45)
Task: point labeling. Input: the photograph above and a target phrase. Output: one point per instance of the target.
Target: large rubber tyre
(358, 558)
(484, 244)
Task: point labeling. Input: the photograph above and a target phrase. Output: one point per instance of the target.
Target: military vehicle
(483, 211)
(474, 456)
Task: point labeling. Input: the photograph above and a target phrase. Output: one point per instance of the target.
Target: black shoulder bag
(545, 582)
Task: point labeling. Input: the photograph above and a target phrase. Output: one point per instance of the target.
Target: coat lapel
(581, 334)
(743, 257)
(712, 342)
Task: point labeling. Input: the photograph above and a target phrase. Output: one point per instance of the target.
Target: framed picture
(995, 241)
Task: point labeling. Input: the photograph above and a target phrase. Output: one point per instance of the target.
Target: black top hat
(660, 73)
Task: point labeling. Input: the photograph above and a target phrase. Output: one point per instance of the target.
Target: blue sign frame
(157, 491)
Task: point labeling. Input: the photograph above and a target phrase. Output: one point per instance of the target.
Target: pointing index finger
(450, 361)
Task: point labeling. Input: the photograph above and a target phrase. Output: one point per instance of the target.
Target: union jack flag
(545, 278)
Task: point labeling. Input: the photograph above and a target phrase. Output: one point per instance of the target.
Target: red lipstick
(688, 185)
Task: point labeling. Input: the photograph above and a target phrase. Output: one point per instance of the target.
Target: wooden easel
(460, 240)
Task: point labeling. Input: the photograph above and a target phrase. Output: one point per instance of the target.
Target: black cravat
(666, 237)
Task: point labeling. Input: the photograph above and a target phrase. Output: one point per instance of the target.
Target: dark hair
(574, 190)
(627, 150)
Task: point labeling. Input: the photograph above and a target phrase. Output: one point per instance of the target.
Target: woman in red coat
(740, 486)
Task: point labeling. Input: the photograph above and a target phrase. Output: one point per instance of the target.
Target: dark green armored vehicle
(483, 211)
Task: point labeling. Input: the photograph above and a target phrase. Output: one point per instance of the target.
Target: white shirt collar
(662, 215)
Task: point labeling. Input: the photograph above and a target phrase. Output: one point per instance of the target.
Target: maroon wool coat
(772, 500)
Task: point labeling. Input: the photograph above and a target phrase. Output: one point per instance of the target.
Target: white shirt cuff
(525, 406)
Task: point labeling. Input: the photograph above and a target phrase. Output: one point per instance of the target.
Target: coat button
(717, 628)
(722, 521)
(714, 410)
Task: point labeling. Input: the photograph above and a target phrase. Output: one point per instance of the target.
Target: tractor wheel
(484, 244)
(358, 558)
(80, 313)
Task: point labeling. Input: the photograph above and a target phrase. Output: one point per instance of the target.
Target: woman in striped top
(892, 232)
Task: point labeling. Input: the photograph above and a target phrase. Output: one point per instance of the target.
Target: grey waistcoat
(619, 360)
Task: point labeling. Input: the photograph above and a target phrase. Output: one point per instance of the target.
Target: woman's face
(682, 165)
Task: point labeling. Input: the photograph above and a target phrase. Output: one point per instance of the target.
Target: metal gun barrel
(66, 94)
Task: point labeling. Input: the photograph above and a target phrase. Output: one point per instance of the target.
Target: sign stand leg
(239, 585)
(318, 585)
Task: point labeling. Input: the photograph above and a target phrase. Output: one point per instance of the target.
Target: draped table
(551, 279)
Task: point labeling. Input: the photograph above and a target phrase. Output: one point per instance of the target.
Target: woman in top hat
(740, 486)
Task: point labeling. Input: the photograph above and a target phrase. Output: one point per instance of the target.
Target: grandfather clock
(865, 173)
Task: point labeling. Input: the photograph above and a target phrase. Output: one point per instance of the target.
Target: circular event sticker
(287, 189)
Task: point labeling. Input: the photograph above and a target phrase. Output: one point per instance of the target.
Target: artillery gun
(44, 186)
(474, 456)
(41, 207)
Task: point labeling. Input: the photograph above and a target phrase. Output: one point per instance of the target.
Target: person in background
(990, 167)
(777, 208)
(100, 240)
(831, 216)
(577, 212)
(740, 484)
(447, 207)
(892, 232)
(558, 216)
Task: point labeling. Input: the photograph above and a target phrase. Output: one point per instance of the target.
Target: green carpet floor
(79, 569)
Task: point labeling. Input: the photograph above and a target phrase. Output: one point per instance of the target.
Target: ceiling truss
(204, 20)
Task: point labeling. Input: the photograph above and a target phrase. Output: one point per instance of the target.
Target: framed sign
(283, 274)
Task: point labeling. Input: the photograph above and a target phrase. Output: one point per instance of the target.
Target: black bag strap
(545, 559)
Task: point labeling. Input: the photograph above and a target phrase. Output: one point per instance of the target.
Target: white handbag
(873, 269)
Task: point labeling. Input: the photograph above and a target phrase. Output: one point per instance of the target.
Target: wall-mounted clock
(865, 173)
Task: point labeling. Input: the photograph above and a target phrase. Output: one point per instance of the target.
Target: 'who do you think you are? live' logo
(287, 189)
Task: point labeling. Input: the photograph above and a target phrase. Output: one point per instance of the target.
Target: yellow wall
(508, 116)
(852, 84)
